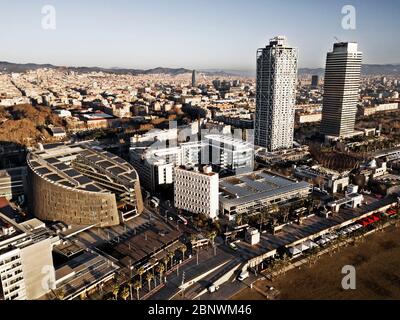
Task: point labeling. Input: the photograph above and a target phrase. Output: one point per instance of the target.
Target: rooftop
(54, 163)
(256, 185)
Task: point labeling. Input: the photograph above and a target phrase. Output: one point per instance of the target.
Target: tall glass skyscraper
(276, 95)
(341, 85)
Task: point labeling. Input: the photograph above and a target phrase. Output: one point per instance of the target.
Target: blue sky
(191, 34)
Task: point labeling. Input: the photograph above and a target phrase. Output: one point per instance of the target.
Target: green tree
(211, 236)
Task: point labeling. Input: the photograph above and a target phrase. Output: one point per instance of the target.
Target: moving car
(233, 246)
(213, 288)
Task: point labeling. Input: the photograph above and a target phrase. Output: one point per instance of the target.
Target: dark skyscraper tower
(194, 78)
(314, 81)
(341, 84)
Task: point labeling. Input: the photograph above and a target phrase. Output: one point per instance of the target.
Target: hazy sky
(191, 34)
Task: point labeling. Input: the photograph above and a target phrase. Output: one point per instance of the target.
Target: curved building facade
(80, 185)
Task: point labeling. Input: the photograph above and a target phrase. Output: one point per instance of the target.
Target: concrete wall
(37, 265)
(48, 201)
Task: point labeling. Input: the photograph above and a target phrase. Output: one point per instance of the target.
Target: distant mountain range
(367, 69)
(19, 67)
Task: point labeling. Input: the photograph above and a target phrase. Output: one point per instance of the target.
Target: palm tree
(137, 285)
(140, 273)
(149, 277)
(125, 293)
(154, 276)
(130, 284)
(115, 291)
(171, 256)
(160, 269)
(183, 249)
(165, 260)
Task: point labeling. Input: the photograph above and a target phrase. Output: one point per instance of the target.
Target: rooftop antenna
(337, 39)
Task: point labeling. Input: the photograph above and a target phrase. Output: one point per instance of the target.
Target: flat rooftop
(229, 140)
(146, 240)
(11, 234)
(83, 271)
(68, 249)
(54, 163)
(256, 185)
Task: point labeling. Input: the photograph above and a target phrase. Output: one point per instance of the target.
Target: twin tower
(277, 65)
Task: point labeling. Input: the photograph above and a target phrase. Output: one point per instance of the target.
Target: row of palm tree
(127, 290)
(165, 265)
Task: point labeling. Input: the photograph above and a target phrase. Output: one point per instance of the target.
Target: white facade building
(26, 262)
(197, 191)
(230, 153)
(154, 162)
(276, 95)
(341, 85)
(155, 166)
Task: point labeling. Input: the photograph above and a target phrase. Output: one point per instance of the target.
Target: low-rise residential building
(301, 118)
(369, 110)
(323, 177)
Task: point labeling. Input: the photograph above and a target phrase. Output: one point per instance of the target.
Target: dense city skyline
(175, 177)
(139, 35)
